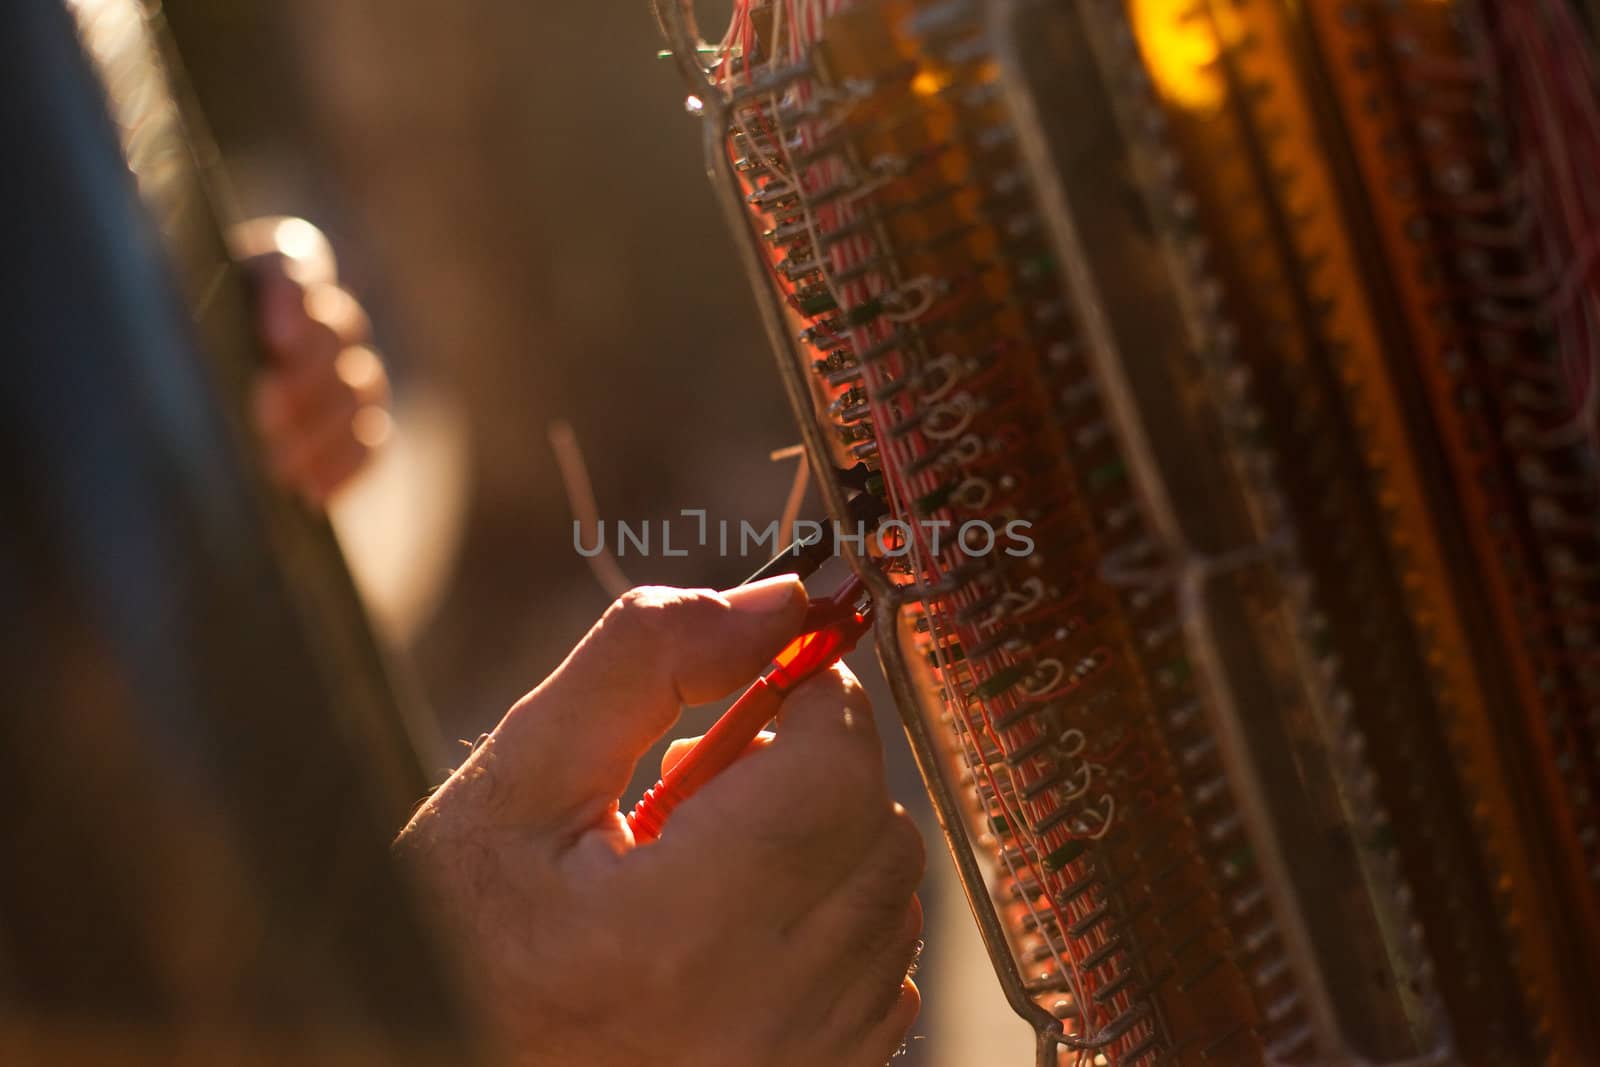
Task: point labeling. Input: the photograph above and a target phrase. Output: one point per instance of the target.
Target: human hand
(774, 921)
(319, 405)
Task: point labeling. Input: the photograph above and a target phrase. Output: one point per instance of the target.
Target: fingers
(675, 752)
(883, 1040)
(791, 822)
(306, 254)
(887, 959)
(865, 936)
(304, 325)
(320, 406)
(576, 738)
(680, 748)
(360, 369)
(318, 463)
(862, 913)
(283, 322)
(319, 423)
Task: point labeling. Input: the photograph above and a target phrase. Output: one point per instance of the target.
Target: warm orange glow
(1181, 50)
(927, 82)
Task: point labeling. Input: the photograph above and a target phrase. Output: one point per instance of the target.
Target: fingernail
(767, 597)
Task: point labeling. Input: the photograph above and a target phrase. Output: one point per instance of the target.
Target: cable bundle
(1225, 371)
(885, 181)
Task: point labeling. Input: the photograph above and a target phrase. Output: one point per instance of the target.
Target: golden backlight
(1180, 49)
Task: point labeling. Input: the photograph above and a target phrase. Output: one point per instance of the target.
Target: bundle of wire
(1272, 328)
(1537, 280)
(916, 271)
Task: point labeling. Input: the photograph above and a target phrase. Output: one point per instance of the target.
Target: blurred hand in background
(775, 920)
(320, 406)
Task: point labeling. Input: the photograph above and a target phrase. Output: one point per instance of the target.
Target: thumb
(570, 746)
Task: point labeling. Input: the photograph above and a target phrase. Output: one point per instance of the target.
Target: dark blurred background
(516, 193)
(518, 199)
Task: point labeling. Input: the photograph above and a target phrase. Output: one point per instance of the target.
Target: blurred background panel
(518, 198)
(516, 193)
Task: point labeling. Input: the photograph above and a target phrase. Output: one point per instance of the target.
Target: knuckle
(840, 690)
(657, 604)
(905, 846)
(855, 707)
(306, 246)
(335, 307)
(880, 912)
(641, 610)
(900, 872)
(822, 694)
(852, 689)
(835, 701)
(653, 618)
(359, 367)
(916, 923)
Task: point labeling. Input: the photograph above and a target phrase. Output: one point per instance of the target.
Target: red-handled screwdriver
(833, 625)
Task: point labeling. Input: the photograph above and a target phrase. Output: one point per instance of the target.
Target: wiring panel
(1224, 372)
